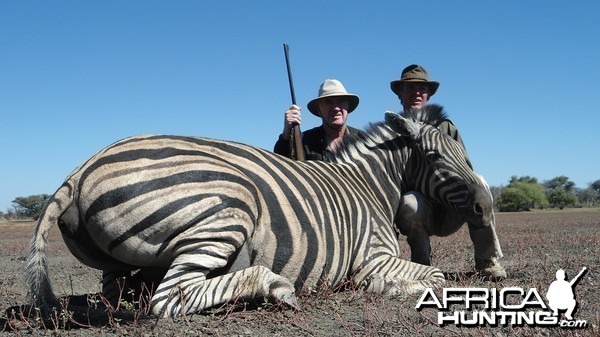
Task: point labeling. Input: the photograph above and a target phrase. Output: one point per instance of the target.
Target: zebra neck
(382, 165)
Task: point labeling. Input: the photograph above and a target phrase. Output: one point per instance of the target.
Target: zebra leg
(122, 285)
(185, 289)
(393, 276)
(413, 219)
(115, 285)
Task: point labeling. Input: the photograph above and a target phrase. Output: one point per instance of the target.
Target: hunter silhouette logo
(473, 307)
(560, 294)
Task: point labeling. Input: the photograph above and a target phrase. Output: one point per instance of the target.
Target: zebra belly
(86, 250)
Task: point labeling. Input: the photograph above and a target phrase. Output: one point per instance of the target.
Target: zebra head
(438, 167)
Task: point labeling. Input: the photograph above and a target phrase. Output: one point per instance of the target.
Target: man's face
(414, 95)
(334, 111)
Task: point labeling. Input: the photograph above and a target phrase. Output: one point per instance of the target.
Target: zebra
(223, 220)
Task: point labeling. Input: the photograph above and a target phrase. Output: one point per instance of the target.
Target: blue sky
(518, 78)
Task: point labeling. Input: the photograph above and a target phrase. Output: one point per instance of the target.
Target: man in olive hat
(414, 90)
(333, 104)
(414, 87)
(419, 218)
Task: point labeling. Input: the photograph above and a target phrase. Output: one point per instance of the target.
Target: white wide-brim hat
(331, 88)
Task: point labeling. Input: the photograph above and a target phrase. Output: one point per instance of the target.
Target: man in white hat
(419, 218)
(333, 105)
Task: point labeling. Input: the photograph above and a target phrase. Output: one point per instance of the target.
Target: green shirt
(446, 126)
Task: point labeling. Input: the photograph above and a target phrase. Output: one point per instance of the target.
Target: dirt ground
(535, 245)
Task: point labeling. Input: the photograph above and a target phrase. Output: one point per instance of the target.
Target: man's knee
(414, 213)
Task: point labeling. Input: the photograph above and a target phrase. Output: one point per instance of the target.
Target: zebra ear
(403, 126)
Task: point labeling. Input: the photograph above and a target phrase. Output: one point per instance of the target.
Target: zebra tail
(36, 269)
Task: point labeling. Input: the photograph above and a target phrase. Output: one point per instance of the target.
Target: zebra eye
(433, 156)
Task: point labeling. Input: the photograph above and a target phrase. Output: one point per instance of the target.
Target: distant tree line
(521, 194)
(526, 193)
(26, 207)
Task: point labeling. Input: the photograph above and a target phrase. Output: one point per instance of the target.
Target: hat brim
(353, 101)
(397, 85)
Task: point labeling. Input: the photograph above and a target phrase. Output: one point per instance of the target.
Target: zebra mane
(352, 145)
(378, 133)
(431, 114)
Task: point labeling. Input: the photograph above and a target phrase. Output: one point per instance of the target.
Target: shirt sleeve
(448, 128)
(282, 147)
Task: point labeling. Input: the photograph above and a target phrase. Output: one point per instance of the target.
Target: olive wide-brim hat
(414, 73)
(331, 88)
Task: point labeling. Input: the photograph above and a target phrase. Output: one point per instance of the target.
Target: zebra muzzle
(481, 207)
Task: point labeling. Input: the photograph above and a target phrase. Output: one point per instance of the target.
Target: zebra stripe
(224, 220)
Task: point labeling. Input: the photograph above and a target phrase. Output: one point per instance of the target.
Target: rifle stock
(296, 139)
(296, 147)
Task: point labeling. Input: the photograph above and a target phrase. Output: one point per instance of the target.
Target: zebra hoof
(283, 291)
(375, 284)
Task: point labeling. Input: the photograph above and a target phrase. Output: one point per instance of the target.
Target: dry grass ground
(535, 244)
